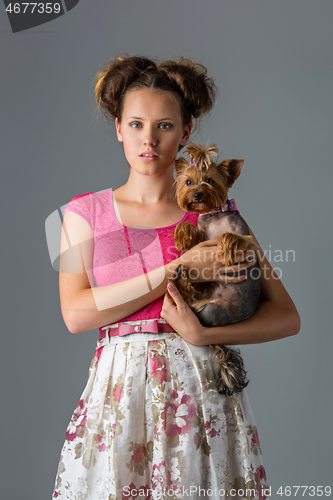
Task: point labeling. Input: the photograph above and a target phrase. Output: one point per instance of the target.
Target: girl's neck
(148, 189)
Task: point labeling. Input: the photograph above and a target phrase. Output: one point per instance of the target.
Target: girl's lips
(148, 153)
(149, 156)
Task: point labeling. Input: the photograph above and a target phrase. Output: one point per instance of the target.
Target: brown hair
(186, 80)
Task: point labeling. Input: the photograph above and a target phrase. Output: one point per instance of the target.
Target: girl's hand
(204, 265)
(181, 317)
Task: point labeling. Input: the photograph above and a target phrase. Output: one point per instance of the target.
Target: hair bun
(113, 81)
(197, 89)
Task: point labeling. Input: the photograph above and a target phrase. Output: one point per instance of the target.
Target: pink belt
(120, 329)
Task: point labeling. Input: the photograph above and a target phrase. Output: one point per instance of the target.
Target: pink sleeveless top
(121, 252)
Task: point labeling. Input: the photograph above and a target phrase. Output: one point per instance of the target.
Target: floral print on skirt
(150, 424)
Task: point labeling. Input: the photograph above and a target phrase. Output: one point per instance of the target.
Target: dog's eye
(188, 182)
(209, 180)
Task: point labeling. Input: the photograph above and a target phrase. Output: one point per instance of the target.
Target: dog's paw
(180, 272)
(181, 280)
(186, 236)
(231, 245)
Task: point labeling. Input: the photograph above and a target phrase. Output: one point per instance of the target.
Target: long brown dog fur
(201, 186)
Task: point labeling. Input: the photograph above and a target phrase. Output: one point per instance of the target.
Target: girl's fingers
(211, 242)
(243, 256)
(236, 268)
(174, 293)
(231, 274)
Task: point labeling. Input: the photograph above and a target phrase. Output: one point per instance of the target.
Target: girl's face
(151, 130)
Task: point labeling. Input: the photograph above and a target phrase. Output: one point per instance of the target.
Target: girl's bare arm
(276, 316)
(84, 306)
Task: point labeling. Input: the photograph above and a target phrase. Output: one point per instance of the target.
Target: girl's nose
(150, 139)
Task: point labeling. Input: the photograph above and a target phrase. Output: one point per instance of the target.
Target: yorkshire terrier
(202, 187)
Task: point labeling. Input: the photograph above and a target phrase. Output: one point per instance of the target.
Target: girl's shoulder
(91, 205)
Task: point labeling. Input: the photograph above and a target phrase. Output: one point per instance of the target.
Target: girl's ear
(119, 136)
(186, 134)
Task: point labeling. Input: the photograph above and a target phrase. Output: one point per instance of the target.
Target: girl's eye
(135, 125)
(209, 180)
(165, 125)
(188, 182)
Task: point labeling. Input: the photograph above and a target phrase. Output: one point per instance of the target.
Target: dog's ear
(232, 168)
(180, 165)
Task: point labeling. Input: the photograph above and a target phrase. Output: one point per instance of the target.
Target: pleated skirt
(150, 424)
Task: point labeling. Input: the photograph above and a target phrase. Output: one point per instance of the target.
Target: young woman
(150, 422)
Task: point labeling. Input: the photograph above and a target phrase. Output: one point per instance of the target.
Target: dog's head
(201, 184)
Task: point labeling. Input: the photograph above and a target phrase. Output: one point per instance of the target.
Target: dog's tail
(201, 155)
(232, 377)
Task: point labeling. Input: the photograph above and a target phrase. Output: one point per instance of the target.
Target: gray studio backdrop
(272, 62)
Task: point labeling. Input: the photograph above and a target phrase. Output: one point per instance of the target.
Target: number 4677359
(311, 491)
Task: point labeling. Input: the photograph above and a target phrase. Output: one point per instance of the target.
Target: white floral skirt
(150, 424)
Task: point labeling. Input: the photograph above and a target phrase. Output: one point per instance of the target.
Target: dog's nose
(198, 196)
